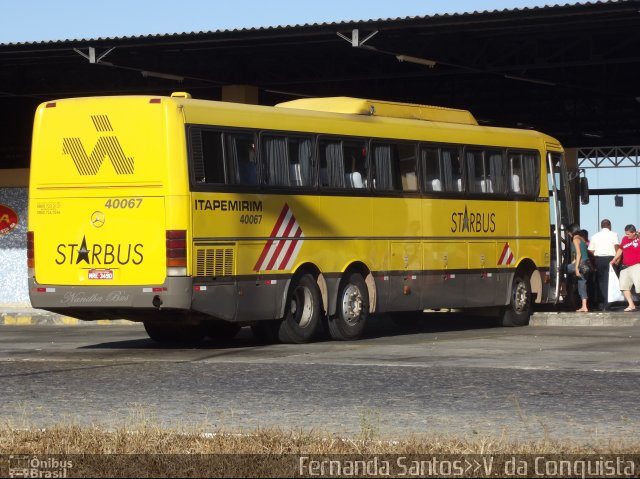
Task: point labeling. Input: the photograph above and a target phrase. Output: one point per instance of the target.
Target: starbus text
(106, 254)
(473, 222)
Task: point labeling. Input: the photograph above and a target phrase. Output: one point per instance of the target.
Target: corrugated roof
(344, 23)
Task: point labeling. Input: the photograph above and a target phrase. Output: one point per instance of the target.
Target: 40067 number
(123, 203)
(251, 219)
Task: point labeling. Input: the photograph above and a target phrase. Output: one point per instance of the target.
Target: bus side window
(531, 172)
(331, 164)
(431, 175)
(274, 155)
(408, 166)
(495, 167)
(475, 171)
(452, 169)
(287, 160)
(386, 166)
(355, 162)
(524, 173)
(207, 156)
(486, 171)
(241, 154)
(300, 161)
(516, 184)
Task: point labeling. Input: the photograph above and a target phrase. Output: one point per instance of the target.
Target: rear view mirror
(584, 191)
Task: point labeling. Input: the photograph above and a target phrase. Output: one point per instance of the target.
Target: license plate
(101, 274)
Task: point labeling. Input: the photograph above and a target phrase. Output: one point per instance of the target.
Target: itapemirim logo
(107, 146)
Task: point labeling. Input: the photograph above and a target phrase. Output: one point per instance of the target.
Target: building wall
(13, 250)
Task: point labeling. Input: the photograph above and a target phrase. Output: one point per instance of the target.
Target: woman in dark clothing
(580, 257)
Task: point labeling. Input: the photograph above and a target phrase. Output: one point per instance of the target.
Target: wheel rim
(301, 306)
(520, 297)
(352, 303)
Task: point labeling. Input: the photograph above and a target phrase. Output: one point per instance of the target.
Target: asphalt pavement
(442, 375)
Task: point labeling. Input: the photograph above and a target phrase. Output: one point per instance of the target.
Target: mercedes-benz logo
(97, 219)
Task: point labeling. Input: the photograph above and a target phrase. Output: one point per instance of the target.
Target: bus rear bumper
(174, 293)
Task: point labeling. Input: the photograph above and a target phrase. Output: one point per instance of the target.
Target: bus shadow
(401, 324)
(243, 340)
(379, 326)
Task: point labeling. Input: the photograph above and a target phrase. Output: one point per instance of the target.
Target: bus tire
(304, 308)
(219, 330)
(352, 309)
(172, 333)
(518, 311)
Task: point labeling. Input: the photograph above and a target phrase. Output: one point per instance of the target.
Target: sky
(45, 20)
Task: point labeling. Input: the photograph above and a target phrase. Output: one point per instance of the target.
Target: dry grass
(142, 448)
(63, 439)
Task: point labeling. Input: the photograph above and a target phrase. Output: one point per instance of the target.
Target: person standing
(630, 273)
(604, 246)
(579, 264)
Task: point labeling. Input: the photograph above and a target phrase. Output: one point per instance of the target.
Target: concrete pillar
(240, 94)
(14, 177)
(571, 157)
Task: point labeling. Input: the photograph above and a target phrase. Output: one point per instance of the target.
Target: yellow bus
(198, 217)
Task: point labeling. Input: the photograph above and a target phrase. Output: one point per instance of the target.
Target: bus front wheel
(518, 311)
(302, 317)
(352, 309)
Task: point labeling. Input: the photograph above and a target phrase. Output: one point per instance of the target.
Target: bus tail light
(31, 258)
(176, 253)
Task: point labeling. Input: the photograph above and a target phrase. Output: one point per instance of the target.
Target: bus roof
(328, 114)
(359, 106)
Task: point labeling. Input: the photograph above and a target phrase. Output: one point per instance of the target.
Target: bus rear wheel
(304, 306)
(352, 309)
(518, 311)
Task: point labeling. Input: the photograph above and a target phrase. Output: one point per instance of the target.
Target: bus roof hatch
(358, 106)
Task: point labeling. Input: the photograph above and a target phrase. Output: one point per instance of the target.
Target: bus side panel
(404, 282)
(529, 224)
(482, 278)
(444, 284)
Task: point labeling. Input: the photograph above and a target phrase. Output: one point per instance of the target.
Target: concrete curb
(608, 318)
(22, 316)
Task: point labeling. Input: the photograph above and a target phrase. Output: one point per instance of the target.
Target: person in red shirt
(630, 274)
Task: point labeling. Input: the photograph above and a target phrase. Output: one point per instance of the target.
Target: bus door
(560, 212)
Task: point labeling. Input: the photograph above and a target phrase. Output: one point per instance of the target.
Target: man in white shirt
(604, 245)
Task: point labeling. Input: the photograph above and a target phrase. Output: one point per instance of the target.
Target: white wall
(603, 206)
(13, 251)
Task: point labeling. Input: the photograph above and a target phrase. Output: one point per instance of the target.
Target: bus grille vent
(214, 262)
